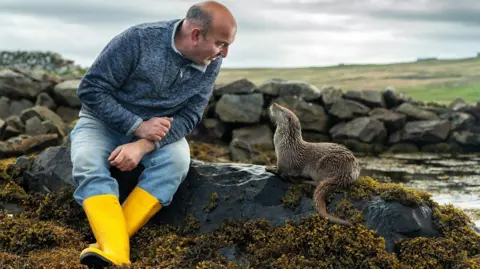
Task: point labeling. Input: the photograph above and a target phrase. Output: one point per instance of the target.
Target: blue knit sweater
(139, 75)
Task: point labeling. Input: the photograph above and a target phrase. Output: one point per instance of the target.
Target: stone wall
(38, 105)
(48, 61)
(369, 121)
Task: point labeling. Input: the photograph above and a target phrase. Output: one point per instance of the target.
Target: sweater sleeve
(106, 75)
(187, 118)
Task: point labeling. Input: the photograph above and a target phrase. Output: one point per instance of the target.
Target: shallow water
(449, 180)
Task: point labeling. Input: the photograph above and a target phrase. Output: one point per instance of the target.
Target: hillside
(432, 80)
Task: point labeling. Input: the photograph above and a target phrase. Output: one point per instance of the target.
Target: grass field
(434, 80)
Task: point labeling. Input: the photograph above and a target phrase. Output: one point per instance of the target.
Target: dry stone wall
(368, 121)
(37, 108)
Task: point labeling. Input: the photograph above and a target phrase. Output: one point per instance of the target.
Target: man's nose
(224, 52)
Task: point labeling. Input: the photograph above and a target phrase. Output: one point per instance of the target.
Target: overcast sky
(271, 33)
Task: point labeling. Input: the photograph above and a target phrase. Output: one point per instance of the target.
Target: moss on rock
(54, 229)
(5, 164)
(19, 235)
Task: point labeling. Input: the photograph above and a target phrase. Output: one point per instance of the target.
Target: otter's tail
(321, 191)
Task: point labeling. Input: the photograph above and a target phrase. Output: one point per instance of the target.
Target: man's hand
(126, 157)
(154, 129)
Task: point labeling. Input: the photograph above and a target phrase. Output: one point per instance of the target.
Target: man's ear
(195, 36)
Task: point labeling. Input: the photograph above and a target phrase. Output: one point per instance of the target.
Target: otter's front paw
(272, 169)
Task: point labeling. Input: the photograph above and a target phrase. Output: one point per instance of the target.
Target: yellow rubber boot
(107, 221)
(139, 207)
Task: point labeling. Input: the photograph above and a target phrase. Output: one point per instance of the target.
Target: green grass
(437, 80)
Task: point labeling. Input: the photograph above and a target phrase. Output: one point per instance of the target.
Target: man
(144, 93)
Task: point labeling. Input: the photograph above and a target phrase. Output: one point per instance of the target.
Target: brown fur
(327, 166)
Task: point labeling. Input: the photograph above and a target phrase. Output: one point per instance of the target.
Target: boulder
(347, 109)
(312, 116)
(393, 98)
(65, 93)
(330, 95)
(364, 129)
(214, 128)
(393, 121)
(43, 113)
(429, 131)
(43, 99)
(460, 120)
(233, 108)
(280, 87)
(239, 86)
(25, 144)
(16, 85)
(370, 98)
(413, 112)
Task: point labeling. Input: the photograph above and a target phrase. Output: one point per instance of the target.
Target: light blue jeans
(92, 142)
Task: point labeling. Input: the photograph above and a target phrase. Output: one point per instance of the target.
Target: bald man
(143, 94)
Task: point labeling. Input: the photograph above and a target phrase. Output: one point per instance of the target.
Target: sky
(271, 33)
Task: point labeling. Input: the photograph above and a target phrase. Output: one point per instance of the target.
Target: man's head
(206, 33)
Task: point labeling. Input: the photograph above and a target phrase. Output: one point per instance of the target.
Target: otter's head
(283, 117)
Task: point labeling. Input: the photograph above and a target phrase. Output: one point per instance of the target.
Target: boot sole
(94, 261)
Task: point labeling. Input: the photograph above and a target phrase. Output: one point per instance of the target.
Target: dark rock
(456, 102)
(315, 137)
(393, 98)
(413, 112)
(4, 107)
(24, 144)
(214, 128)
(361, 147)
(65, 93)
(43, 99)
(16, 122)
(46, 114)
(460, 120)
(240, 86)
(404, 148)
(348, 109)
(16, 85)
(255, 136)
(430, 131)
(466, 138)
(364, 129)
(470, 109)
(11, 132)
(17, 106)
(280, 87)
(3, 127)
(312, 116)
(370, 98)
(443, 147)
(34, 126)
(393, 121)
(331, 95)
(240, 108)
(395, 137)
(395, 221)
(68, 114)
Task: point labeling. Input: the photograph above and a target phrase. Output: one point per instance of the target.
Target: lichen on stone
(212, 202)
(5, 164)
(293, 196)
(367, 187)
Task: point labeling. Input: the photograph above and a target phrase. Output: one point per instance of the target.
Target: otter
(325, 165)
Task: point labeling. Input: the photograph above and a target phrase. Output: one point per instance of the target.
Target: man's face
(214, 44)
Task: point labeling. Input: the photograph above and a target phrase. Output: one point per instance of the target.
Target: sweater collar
(201, 68)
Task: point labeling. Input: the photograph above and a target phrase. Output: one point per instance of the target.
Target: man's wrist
(146, 145)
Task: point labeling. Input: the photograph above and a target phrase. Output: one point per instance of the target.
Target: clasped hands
(126, 157)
